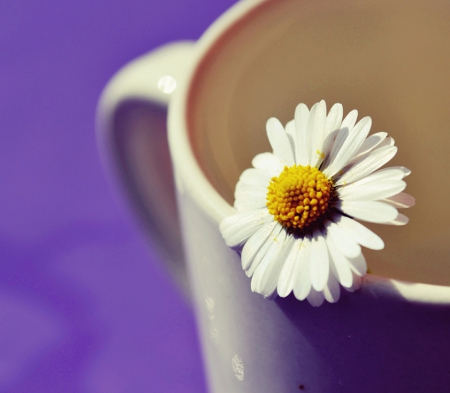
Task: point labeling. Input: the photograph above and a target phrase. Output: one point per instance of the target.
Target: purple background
(84, 304)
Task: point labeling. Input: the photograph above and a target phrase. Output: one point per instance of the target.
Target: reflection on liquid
(167, 84)
(238, 367)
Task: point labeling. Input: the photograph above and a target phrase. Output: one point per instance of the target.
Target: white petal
(366, 166)
(371, 211)
(315, 298)
(383, 175)
(271, 239)
(238, 228)
(340, 263)
(358, 265)
(342, 240)
(255, 177)
(258, 258)
(330, 157)
(379, 179)
(371, 143)
(287, 274)
(401, 219)
(271, 275)
(333, 125)
(316, 126)
(334, 119)
(393, 169)
(389, 141)
(320, 265)
(290, 128)
(332, 291)
(360, 233)
(302, 284)
(268, 162)
(401, 201)
(304, 139)
(250, 199)
(356, 283)
(255, 243)
(292, 135)
(350, 120)
(270, 265)
(406, 171)
(351, 145)
(328, 144)
(245, 188)
(271, 250)
(250, 203)
(279, 141)
(371, 191)
(251, 190)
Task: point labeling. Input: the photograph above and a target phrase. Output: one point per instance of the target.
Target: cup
(389, 60)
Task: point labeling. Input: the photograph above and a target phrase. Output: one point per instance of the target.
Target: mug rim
(206, 196)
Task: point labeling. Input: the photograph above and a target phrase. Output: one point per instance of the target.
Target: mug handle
(132, 137)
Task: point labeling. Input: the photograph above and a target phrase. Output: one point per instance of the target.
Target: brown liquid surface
(388, 59)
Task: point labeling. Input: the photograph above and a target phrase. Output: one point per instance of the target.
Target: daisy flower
(297, 208)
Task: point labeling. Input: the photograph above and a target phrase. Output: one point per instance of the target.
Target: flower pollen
(299, 197)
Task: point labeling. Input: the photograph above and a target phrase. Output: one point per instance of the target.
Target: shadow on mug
(141, 159)
(375, 343)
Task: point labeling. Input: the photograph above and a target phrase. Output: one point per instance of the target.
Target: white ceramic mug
(389, 60)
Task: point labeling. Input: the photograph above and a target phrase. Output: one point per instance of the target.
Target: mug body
(389, 60)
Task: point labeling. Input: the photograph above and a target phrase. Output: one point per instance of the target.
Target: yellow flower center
(299, 197)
